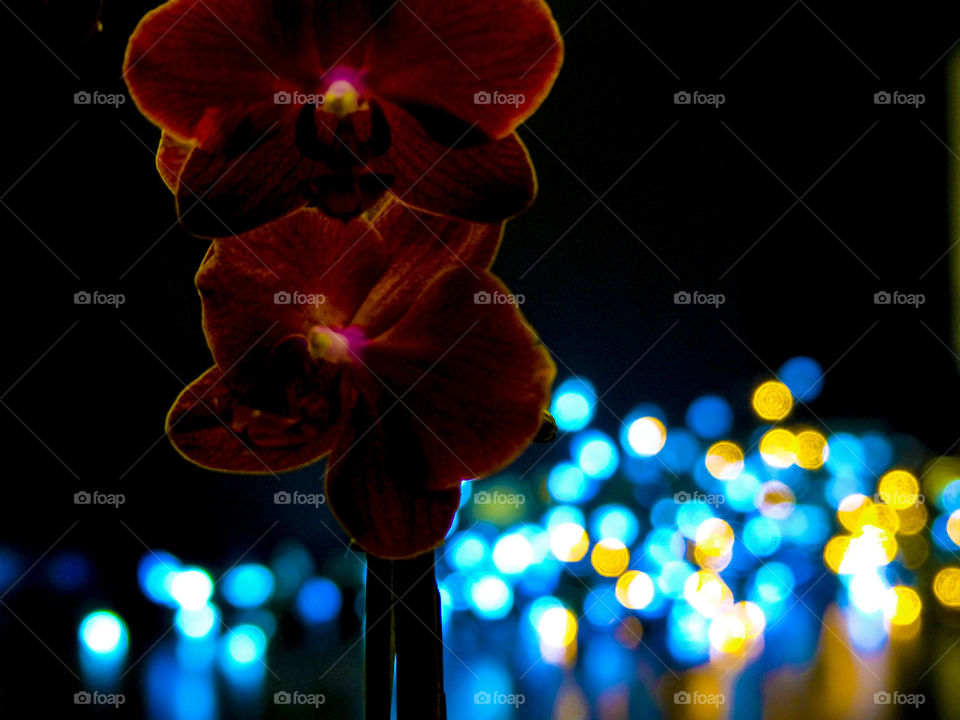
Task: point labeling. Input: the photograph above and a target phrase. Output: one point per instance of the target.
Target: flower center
(341, 99)
(330, 346)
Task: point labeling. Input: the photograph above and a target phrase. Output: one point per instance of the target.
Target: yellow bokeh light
(854, 511)
(754, 619)
(913, 519)
(885, 518)
(569, 542)
(772, 400)
(834, 552)
(714, 537)
(610, 557)
(953, 527)
(870, 549)
(724, 460)
(634, 590)
(902, 605)
(775, 500)
(707, 594)
(715, 563)
(914, 550)
(946, 586)
(778, 448)
(899, 489)
(728, 633)
(812, 450)
(557, 627)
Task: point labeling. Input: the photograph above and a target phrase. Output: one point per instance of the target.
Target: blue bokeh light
(596, 454)
(615, 521)
(247, 586)
(804, 377)
(574, 403)
(319, 601)
(710, 417)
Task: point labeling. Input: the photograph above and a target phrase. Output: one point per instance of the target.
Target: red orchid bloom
(268, 106)
(382, 356)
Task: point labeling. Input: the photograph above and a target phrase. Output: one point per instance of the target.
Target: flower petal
(442, 54)
(209, 426)
(198, 68)
(421, 246)
(171, 157)
(471, 377)
(486, 183)
(375, 488)
(281, 280)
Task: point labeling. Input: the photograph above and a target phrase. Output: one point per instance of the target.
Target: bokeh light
(191, 588)
(772, 401)
(778, 448)
(103, 633)
(247, 586)
(319, 601)
(569, 542)
(645, 437)
(610, 557)
(724, 460)
(813, 450)
(899, 489)
(710, 417)
(574, 403)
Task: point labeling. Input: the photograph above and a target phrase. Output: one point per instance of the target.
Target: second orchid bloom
(375, 346)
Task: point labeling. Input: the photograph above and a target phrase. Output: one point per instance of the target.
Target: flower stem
(403, 623)
(379, 650)
(420, 694)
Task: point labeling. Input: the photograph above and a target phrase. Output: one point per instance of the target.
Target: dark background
(599, 277)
